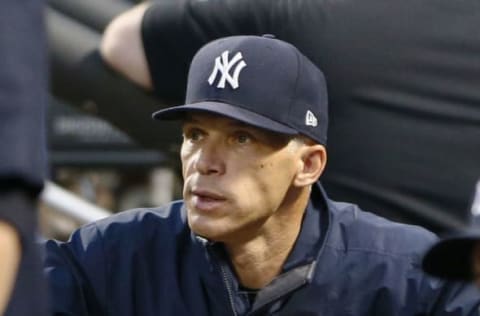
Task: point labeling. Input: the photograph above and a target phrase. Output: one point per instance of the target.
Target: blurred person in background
(23, 98)
(458, 257)
(255, 233)
(402, 81)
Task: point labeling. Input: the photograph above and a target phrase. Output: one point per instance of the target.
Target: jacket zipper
(229, 289)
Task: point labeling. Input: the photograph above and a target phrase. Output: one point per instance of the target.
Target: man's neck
(258, 261)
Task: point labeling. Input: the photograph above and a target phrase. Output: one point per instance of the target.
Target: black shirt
(403, 78)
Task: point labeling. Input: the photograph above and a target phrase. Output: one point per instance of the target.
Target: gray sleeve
(23, 98)
(23, 95)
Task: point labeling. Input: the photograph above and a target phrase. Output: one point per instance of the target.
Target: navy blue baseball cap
(452, 257)
(258, 80)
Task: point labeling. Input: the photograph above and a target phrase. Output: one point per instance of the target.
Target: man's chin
(211, 236)
(210, 230)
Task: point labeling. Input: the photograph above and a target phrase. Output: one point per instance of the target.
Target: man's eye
(243, 138)
(193, 135)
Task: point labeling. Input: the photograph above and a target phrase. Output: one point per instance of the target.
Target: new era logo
(311, 119)
(224, 67)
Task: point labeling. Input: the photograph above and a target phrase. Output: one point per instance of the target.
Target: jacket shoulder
(170, 218)
(357, 230)
(132, 227)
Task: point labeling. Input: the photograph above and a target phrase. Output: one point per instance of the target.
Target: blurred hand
(10, 253)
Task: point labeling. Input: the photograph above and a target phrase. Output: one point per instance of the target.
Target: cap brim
(451, 258)
(224, 109)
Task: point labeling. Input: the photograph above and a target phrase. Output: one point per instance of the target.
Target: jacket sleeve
(451, 298)
(76, 272)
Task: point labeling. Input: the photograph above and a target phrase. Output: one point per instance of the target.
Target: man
(402, 86)
(256, 233)
(23, 97)
(458, 257)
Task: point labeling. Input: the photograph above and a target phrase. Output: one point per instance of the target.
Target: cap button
(268, 35)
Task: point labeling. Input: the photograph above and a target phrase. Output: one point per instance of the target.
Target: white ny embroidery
(223, 65)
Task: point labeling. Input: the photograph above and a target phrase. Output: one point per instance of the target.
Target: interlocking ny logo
(223, 65)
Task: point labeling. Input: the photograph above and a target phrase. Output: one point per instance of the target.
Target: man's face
(236, 176)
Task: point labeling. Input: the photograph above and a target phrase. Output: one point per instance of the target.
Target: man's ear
(313, 162)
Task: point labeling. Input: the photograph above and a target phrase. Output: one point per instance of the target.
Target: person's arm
(76, 273)
(442, 298)
(22, 286)
(122, 46)
(153, 43)
(10, 252)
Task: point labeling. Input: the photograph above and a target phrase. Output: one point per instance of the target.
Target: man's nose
(210, 160)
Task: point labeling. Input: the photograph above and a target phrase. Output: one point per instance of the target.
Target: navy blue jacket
(345, 262)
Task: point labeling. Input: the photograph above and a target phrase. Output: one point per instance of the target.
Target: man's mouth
(207, 201)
